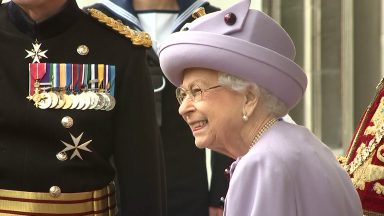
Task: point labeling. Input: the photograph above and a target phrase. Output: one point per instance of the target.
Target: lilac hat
(239, 41)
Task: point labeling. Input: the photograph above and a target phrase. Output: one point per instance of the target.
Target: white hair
(273, 104)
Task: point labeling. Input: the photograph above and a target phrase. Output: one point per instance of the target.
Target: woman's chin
(200, 145)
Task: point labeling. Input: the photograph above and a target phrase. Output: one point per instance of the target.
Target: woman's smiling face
(215, 116)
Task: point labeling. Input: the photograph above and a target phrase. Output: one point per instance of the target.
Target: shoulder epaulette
(137, 37)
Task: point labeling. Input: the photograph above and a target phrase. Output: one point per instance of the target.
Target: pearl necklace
(261, 131)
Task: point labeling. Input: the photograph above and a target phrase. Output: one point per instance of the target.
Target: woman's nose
(186, 107)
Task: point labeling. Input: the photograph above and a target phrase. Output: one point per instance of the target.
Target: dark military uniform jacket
(31, 138)
(185, 164)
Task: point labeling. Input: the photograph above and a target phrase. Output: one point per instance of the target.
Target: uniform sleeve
(261, 186)
(219, 181)
(137, 154)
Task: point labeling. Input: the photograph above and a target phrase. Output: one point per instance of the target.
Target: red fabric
(371, 201)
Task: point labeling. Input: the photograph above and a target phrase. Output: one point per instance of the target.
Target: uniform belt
(96, 203)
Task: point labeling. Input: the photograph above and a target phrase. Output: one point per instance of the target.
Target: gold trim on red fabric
(369, 213)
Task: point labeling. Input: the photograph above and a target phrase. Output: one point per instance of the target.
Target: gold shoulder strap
(137, 37)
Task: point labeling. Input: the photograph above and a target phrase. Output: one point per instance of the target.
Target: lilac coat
(290, 172)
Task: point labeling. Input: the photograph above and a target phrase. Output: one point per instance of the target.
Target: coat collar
(124, 9)
(51, 27)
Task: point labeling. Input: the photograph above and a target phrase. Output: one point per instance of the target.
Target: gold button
(62, 156)
(82, 50)
(55, 191)
(67, 122)
(199, 12)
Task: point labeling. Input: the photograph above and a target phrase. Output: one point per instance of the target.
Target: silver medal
(100, 102)
(107, 101)
(94, 100)
(112, 102)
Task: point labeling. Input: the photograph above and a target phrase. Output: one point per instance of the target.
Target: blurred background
(219, 3)
(339, 43)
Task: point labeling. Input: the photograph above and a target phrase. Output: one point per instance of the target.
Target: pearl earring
(245, 118)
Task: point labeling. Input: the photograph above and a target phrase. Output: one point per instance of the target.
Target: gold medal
(36, 97)
(75, 101)
(55, 99)
(45, 101)
(61, 102)
(80, 100)
(68, 102)
(86, 101)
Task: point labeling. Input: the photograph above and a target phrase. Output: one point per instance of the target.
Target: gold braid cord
(368, 213)
(137, 37)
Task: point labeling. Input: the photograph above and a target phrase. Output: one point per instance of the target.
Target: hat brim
(267, 68)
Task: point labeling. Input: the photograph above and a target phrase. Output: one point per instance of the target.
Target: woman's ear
(251, 100)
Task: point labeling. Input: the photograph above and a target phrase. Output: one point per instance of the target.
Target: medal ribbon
(112, 72)
(36, 72)
(73, 77)
(75, 73)
(100, 75)
(93, 77)
(63, 76)
(46, 78)
(79, 78)
(55, 76)
(84, 78)
(50, 69)
(68, 77)
(106, 78)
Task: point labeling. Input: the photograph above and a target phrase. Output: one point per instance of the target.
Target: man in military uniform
(77, 99)
(365, 158)
(187, 185)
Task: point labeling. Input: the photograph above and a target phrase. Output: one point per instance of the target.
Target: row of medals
(86, 100)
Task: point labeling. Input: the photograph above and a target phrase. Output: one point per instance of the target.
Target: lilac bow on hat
(240, 41)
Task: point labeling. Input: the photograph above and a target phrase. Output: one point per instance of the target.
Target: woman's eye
(195, 91)
(183, 95)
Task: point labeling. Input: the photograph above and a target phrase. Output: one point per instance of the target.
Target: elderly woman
(236, 78)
